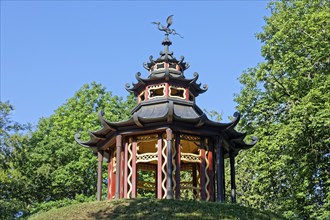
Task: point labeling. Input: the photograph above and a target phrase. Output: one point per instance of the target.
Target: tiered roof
(156, 114)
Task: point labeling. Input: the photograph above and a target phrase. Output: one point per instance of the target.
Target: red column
(113, 176)
(210, 172)
(134, 171)
(146, 93)
(109, 174)
(126, 168)
(202, 169)
(167, 90)
(187, 94)
(159, 167)
(122, 162)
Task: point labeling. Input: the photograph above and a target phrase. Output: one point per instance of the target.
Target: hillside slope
(153, 209)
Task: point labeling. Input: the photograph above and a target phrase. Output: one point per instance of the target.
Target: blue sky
(49, 49)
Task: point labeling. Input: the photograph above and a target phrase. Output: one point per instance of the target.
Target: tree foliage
(12, 154)
(59, 171)
(285, 101)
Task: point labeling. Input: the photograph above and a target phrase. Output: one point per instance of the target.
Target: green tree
(59, 170)
(12, 153)
(285, 101)
(65, 169)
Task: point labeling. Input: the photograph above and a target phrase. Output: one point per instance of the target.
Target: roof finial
(167, 42)
(167, 28)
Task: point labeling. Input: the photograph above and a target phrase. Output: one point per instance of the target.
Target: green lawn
(154, 209)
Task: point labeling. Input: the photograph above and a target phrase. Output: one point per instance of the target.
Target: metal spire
(167, 42)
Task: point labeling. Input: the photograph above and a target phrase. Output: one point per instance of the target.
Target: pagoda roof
(166, 112)
(154, 115)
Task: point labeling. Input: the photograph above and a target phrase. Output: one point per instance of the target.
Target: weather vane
(167, 28)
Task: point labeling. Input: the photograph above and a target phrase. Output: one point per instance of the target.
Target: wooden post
(109, 173)
(159, 167)
(126, 168)
(224, 178)
(169, 164)
(187, 94)
(167, 90)
(220, 171)
(178, 165)
(122, 163)
(146, 93)
(156, 181)
(118, 163)
(113, 177)
(232, 176)
(202, 169)
(194, 178)
(134, 170)
(210, 172)
(99, 175)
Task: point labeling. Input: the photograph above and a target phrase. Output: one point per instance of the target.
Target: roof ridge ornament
(167, 42)
(167, 28)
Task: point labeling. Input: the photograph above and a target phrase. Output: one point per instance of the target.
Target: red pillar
(202, 169)
(122, 162)
(167, 90)
(109, 174)
(210, 172)
(187, 94)
(113, 176)
(147, 93)
(126, 168)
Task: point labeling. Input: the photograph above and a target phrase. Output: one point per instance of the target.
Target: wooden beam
(232, 176)
(118, 163)
(169, 164)
(159, 167)
(99, 175)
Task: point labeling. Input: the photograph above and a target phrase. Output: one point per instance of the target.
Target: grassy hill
(154, 209)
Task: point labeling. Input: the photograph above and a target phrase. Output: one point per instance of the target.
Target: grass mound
(153, 209)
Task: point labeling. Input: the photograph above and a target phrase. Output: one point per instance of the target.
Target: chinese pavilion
(167, 136)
